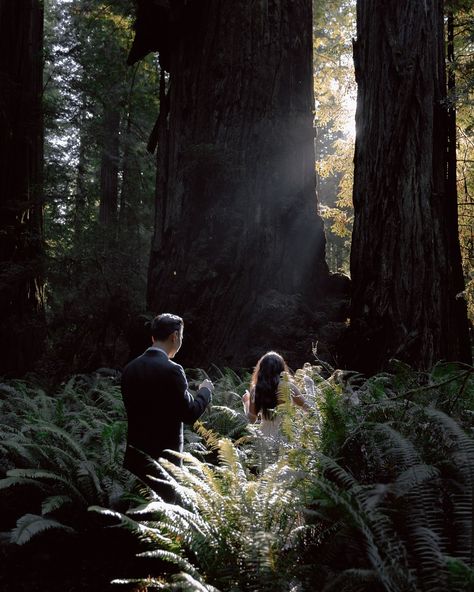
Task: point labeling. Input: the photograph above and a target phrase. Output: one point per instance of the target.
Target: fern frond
(188, 583)
(353, 580)
(30, 525)
(54, 502)
(7, 482)
(142, 529)
(413, 477)
(465, 443)
(63, 436)
(384, 551)
(433, 572)
(208, 435)
(89, 481)
(335, 472)
(48, 476)
(229, 457)
(400, 448)
(170, 557)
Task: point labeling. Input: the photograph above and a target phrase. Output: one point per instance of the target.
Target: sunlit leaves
(462, 97)
(334, 88)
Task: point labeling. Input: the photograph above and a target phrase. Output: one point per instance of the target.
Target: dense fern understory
(370, 490)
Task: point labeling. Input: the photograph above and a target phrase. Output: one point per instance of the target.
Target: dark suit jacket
(157, 401)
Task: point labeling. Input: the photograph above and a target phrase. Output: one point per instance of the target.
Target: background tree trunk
(22, 327)
(238, 248)
(109, 167)
(80, 198)
(405, 262)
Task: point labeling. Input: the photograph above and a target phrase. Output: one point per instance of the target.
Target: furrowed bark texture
(22, 323)
(238, 248)
(405, 263)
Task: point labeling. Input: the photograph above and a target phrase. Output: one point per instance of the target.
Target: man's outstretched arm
(191, 408)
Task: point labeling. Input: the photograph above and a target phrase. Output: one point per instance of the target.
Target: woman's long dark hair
(265, 380)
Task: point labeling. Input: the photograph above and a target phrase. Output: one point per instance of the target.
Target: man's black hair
(165, 324)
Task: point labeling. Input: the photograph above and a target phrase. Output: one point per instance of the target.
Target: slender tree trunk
(238, 247)
(22, 324)
(109, 168)
(81, 190)
(405, 262)
(127, 220)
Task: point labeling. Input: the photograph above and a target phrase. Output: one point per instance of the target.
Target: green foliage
(390, 489)
(234, 531)
(369, 489)
(462, 97)
(67, 448)
(31, 525)
(334, 90)
(96, 273)
(225, 417)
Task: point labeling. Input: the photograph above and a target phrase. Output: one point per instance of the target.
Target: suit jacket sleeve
(189, 407)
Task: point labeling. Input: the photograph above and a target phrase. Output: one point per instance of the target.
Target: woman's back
(270, 421)
(268, 389)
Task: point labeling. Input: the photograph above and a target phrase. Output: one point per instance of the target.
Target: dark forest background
(121, 134)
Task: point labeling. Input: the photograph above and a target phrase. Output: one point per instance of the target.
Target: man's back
(157, 401)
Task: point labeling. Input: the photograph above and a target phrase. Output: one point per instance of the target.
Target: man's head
(167, 332)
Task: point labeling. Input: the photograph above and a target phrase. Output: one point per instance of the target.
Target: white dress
(268, 427)
(271, 427)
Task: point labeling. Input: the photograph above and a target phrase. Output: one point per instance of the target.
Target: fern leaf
(401, 448)
(412, 477)
(89, 480)
(54, 502)
(48, 476)
(143, 584)
(189, 583)
(352, 579)
(170, 557)
(433, 570)
(7, 482)
(63, 436)
(30, 525)
(138, 527)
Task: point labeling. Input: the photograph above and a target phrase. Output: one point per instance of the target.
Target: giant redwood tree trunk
(22, 328)
(405, 263)
(238, 248)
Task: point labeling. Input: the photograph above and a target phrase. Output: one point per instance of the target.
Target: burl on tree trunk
(405, 263)
(238, 248)
(22, 323)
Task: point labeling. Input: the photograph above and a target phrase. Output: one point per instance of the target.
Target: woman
(267, 390)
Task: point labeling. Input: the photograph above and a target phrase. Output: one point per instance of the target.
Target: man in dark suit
(157, 401)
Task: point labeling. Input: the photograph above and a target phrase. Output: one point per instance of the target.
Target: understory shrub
(368, 490)
(371, 489)
(64, 452)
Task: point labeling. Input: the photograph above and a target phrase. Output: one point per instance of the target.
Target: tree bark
(238, 248)
(405, 262)
(130, 175)
(80, 200)
(22, 325)
(109, 168)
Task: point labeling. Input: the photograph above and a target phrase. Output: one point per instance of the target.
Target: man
(157, 401)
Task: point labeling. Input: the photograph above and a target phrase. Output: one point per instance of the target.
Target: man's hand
(206, 383)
